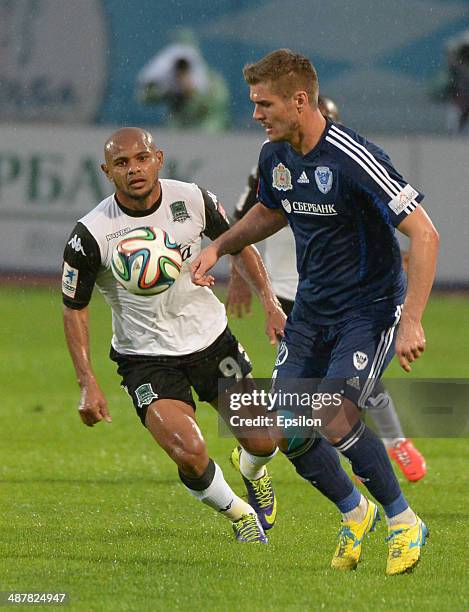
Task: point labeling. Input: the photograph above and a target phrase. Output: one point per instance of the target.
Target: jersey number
(229, 367)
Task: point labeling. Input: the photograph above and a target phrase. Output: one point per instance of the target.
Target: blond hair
(287, 71)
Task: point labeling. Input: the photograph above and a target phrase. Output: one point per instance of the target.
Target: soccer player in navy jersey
(343, 198)
(280, 261)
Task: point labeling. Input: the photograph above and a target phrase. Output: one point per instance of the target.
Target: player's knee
(337, 424)
(259, 446)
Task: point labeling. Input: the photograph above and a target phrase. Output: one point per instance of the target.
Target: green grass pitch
(100, 512)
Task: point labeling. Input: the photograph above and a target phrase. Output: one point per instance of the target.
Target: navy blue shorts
(347, 357)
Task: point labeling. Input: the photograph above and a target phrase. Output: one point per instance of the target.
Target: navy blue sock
(370, 462)
(318, 462)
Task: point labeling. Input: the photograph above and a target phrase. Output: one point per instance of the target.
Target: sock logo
(227, 507)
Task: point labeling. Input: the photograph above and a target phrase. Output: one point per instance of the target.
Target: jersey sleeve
(216, 219)
(249, 196)
(82, 260)
(372, 171)
(265, 193)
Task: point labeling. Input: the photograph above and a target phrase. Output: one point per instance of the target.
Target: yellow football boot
(405, 547)
(351, 536)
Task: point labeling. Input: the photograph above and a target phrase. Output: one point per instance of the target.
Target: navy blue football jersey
(342, 200)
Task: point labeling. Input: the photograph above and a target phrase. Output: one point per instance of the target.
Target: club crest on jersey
(179, 211)
(323, 177)
(145, 395)
(281, 178)
(360, 360)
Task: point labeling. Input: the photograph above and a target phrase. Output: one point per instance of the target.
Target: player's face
(278, 115)
(133, 166)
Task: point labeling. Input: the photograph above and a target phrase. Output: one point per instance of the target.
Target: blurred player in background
(165, 344)
(452, 85)
(280, 261)
(343, 198)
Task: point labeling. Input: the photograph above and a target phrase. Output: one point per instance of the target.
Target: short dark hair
(287, 71)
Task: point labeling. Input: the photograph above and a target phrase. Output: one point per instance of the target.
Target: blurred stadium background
(88, 511)
(68, 74)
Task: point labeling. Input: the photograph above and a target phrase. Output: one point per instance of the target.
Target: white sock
(253, 466)
(392, 442)
(407, 517)
(220, 496)
(358, 513)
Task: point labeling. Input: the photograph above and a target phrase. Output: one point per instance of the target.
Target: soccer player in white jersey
(279, 258)
(343, 199)
(166, 343)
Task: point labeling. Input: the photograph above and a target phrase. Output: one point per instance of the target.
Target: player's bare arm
(423, 251)
(93, 405)
(249, 263)
(259, 223)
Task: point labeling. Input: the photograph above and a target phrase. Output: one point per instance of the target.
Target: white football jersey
(280, 262)
(184, 319)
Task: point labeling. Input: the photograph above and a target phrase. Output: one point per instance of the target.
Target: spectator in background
(453, 85)
(196, 96)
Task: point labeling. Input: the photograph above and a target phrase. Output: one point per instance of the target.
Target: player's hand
(202, 264)
(239, 298)
(93, 405)
(410, 342)
(275, 322)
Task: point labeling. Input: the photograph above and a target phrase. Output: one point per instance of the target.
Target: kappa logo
(323, 178)
(360, 360)
(76, 245)
(281, 178)
(179, 211)
(145, 395)
(286, 205)
(303, 178)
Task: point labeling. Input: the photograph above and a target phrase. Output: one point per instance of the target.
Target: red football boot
(410, 461)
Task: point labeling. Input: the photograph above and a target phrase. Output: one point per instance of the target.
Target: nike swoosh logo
(270, 518)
